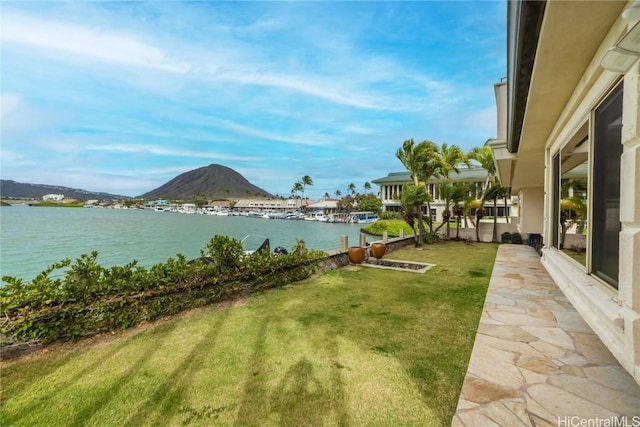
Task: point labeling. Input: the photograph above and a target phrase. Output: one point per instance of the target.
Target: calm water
(33, 238)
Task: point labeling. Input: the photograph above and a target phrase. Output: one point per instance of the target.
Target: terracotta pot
(378, 249)
(356, 254)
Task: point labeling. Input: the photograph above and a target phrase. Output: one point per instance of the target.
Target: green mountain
(18, 190)
(213, 181)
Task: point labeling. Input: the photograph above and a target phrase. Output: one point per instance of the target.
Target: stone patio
(535, 362)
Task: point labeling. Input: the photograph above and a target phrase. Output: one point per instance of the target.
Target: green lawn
(356, 346)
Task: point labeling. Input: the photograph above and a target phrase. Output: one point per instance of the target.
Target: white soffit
(571, 33)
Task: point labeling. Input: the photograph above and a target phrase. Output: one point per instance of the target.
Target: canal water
(32, 238)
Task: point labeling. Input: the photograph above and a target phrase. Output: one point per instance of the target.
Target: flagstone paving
(535, 361)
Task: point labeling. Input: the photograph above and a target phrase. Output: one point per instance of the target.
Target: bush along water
(89, 299)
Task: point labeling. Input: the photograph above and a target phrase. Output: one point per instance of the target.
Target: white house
(391, 190)
(53, 197)
(569, 147)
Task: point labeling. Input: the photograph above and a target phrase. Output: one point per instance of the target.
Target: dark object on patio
(516, 238)
(506, 237)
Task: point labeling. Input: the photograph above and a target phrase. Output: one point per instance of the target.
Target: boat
(365, 217)
(277, 215)
(252, 241)
(295, 216)
(317, 216)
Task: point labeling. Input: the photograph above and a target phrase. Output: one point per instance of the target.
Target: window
(607, 150)
(573, 202)
(556, 202)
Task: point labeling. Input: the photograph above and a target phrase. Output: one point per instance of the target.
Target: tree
(416, 158)
(306, 180)
(419, 161)
(412, 199)
(484, 156)
(459, 194)
(367, 187)
(338, 193)
(346, 204)
(495, 192)
(296, 188)
(369, 202)
(352, 188)
(447, 159)
(326, 195)
(451, 193)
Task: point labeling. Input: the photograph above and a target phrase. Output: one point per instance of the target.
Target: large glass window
(607, 150)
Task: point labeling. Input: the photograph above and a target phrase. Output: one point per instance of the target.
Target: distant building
(392, 184)
(326, 206)
(271, 204)
(53, 197)
(158, 204)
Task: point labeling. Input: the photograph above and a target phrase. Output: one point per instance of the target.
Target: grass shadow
(162, 404)
(255, 405)
(300, 398)
(75, 378)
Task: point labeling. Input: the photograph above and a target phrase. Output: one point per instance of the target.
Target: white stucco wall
(531, 210)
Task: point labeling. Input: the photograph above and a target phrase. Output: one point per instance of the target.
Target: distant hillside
(213, 181)
(19, 190)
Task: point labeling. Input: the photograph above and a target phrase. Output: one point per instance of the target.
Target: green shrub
(91, 299)
(225, 253)
(390, 215)
(392, 227)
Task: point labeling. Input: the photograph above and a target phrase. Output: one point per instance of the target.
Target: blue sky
(123, 96)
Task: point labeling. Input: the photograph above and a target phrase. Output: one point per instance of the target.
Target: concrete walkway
(535, 362)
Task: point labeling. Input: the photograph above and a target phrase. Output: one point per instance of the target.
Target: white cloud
(308, 139)
(9, 103)
(164, 151)
(98, 44)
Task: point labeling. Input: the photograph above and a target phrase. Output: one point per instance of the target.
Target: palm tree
(326, 195)
(495, 192)
(413, 197)
(306, 180)
(493, 189)
(367, 187)
(338, 193)
(346, 204)
(448, 158)
(428, 168)
(417, 158)
(484, 156)
(296, 188)
(459, 194)
(419, 161)
(352, 188)
(451, 193)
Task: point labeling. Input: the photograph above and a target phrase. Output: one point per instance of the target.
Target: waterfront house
(325, 206)
(569, 147)
(473, 174)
